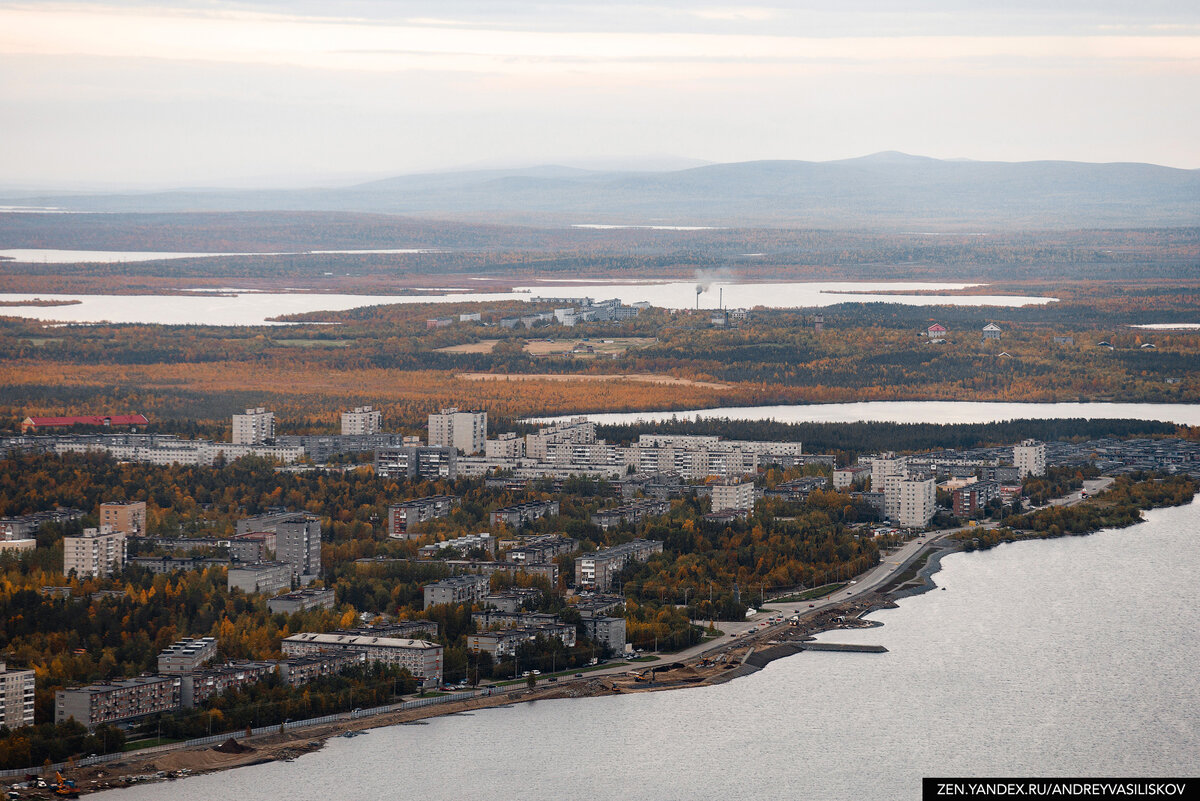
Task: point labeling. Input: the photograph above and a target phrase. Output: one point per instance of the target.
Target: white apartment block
(508, 446)
(1030, 458)
(422, 659)
(99, 552)
(466, 431)
(577, 429)
(254, 427)
(887, 472)
(739, 495)
(362, 420)
(16, 697)
(917, 504)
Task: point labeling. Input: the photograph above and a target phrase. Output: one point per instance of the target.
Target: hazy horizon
(194, 93)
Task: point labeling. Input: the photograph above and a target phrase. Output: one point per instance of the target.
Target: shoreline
(718, 664)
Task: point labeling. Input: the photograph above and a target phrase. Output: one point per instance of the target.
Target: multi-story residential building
(402, 516)
(362, 420)
(397, 629)
(301, 600)
(267, 522)
(632, 513)
(298, 542)
(503, 643)
(797, 489)
(596, 570)
(272, 577)
(511, 601)
(253, 546)
(456, 590)
(577, 430)
(462, 545)
(422, 659)
(541, 550)
(164, 565)
(496, 619)
(506, 446)
(887, 471)
(465, 431)
(733, 495)
(126, 518)
(115, 701)
(26, 526)
(522, 513)
(1030, 458)
(16, 697)
(918, 502)
(254, 427)
(187, 655)
(304, 669)
(992, 331)
(844, 477)
(97, 553)
(604, 630)
(973, 497)
(410, 461)
(196, 688)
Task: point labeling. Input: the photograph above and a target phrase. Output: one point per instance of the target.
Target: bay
(1067, 657)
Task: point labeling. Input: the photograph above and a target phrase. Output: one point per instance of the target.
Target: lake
(1068, 657)
(52, 256)
(254, 307)
(942, 412)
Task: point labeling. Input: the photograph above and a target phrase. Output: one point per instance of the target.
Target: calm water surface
(1065, 657)
(941, 412)
(253, 308)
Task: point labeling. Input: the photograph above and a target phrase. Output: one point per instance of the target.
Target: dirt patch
(643, 378)
(483, 346)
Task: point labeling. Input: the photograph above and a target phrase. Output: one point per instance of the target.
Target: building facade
(362, 420)
(272, 577)
(402, 516)
(127, 518)
(254, 427)
(1030, 458)
(96, 554)
(116, 701)
(733, 495)
(16, 697)
(422, 659)
(456, 590)
(465, 431)
(301, 600)
(918, 502)
(596, 570)
(187, 655)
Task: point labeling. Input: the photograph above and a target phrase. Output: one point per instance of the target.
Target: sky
(270, 93)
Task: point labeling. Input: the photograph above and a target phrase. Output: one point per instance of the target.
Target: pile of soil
(232, 746)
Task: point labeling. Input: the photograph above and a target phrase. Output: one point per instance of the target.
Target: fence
(416, 703)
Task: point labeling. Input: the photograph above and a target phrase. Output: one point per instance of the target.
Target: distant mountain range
(885, 190)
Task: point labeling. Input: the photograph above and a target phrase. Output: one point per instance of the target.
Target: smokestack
(721, 298)
(699, 289)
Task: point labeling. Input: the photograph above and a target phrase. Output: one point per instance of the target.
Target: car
(810, 606)
(579, 675)
(526, 674)
(537, 672)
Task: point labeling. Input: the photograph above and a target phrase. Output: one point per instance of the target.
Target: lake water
(253, 308)
(51, 256)
(942, 412)
(1069, 657)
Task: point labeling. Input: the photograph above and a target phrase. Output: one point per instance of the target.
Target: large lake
(941, 412)
(1069, 657)
(253, 308)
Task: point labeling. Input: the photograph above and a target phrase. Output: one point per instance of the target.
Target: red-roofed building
(936, 331)
(35, 423)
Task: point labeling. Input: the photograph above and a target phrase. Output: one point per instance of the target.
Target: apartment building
(506, 446)
(402, 516)
(254, 427)
(362, 420)
(974, 497)
(577, 429)
(187, 655)
(503, 643)
(298, 543)
(632, 513)
(917, 502)
(541, 550)
(272, 577)
(301, 600)
(422, 659)
(461, 545)
(605, 630)
(456, 590)
(464, 431)
(844, 477)
(411, 461)
(96, 554)
(16, 697)
(127, 518)
(1030, 458)
(116, 701)
(522, 513)
(733, 495)
(254, 546)
(596, 570)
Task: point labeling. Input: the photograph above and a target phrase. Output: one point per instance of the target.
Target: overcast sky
(285, 93)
